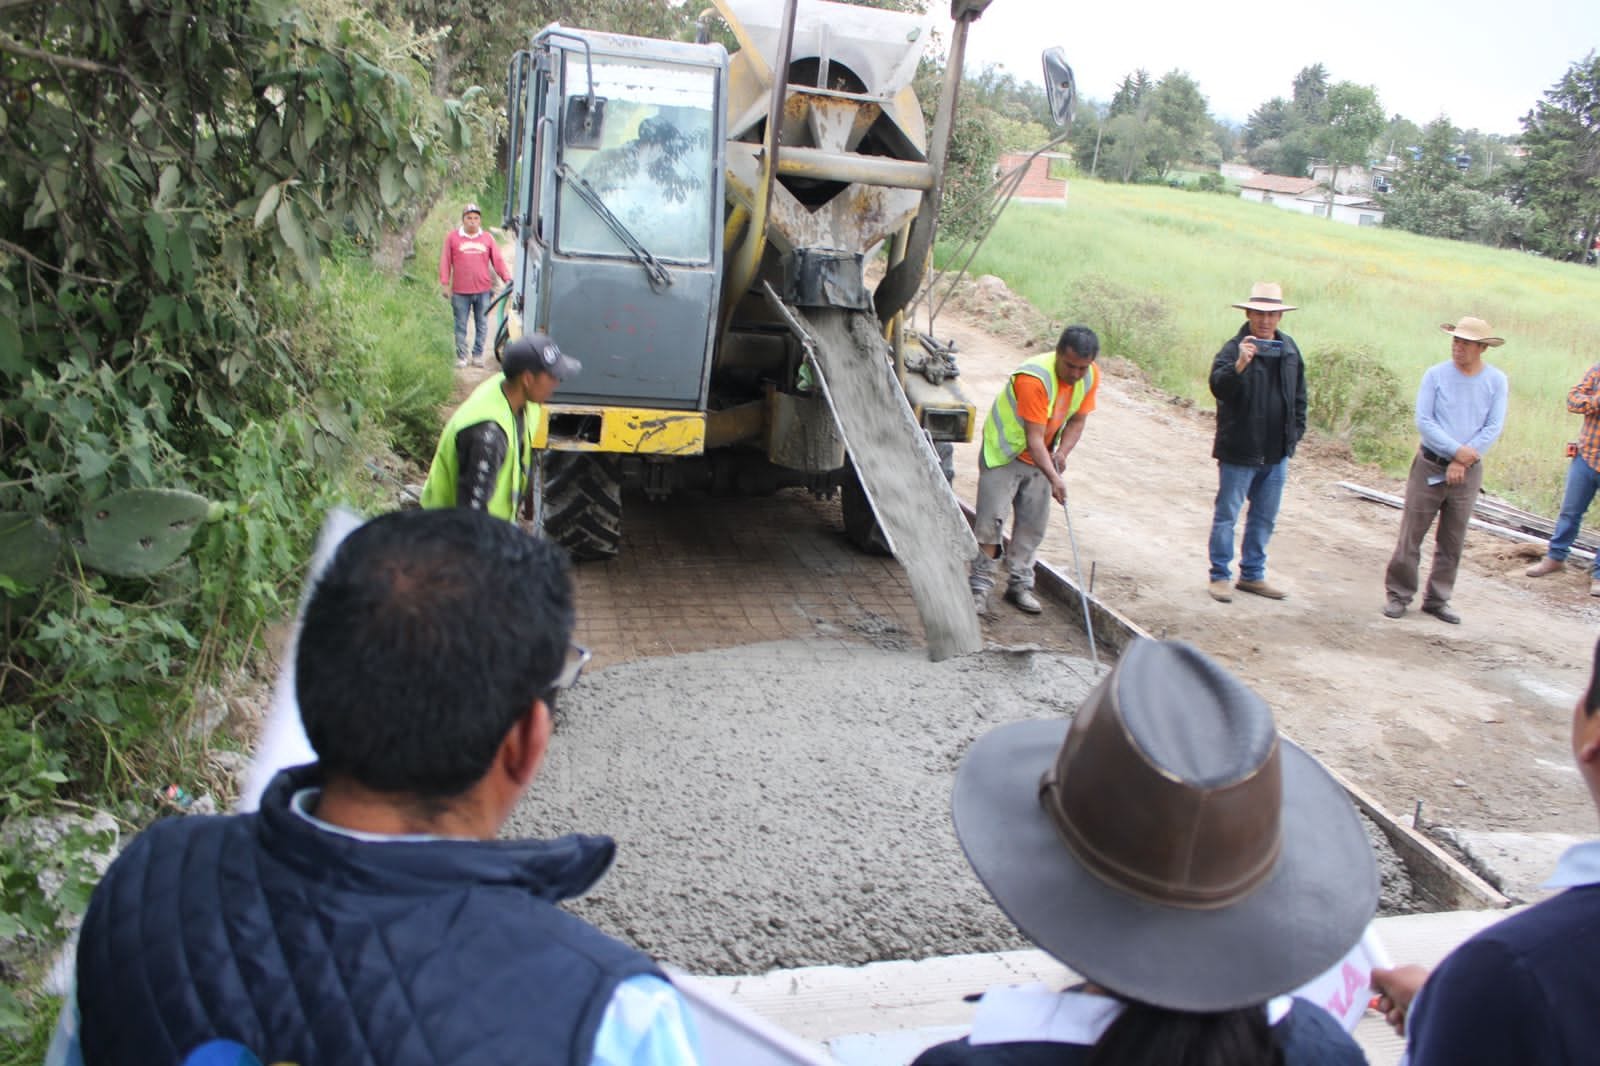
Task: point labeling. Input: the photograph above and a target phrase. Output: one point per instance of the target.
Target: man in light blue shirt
(367, 911)
(1461, 408)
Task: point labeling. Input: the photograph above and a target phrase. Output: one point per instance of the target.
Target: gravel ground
(787, 804)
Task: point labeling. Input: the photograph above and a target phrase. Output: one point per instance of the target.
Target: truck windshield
(652, 167)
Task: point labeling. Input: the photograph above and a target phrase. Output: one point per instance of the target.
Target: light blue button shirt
(1578, 868)
(1455, 408)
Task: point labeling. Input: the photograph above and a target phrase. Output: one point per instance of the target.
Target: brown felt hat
(1472, 329)
(1168, 844)
(1266, 296)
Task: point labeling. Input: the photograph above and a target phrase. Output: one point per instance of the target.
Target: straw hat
(1168, 844)
(1472, 329)
(1266, 296)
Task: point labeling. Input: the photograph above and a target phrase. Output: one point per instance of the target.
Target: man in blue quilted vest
(367, 914)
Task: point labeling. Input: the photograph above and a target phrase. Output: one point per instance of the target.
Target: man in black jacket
(1259, 381)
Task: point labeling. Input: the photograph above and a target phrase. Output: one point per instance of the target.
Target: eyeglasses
(577, 658)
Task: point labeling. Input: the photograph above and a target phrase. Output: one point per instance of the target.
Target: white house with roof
(1309, 197)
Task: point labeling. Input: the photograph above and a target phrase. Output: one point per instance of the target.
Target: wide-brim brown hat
(1469, 328)
(1168, 844)
(1266, 296)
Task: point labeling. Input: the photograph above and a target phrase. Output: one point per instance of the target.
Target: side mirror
(1060, 87)
(584, 121)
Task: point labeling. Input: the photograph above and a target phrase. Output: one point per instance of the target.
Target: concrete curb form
(1444, 880)
(885, 1012)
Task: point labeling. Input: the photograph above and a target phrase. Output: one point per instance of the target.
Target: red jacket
(465, 262)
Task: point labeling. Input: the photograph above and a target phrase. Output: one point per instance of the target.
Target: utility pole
(1095, 163)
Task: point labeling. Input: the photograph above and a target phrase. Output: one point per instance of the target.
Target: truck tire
(860, 524)
(583, 504)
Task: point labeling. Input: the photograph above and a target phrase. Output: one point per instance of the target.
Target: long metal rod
(1083, 591)
(747, 260)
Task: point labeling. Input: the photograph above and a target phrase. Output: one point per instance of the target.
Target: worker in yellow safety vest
(1033, 426)
(486, 448)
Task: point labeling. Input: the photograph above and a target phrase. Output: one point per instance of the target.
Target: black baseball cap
(537, 352)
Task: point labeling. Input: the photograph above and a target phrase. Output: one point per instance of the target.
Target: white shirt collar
(1036, 1013)
(303, 801)
(1579, 866)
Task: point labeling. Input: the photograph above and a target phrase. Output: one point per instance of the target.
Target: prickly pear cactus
(139, 531)
(28, 549)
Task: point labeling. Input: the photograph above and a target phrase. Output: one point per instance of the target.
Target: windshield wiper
(659, 278)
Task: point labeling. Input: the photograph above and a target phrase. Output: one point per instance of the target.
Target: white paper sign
(283, 739)
(1345, 989)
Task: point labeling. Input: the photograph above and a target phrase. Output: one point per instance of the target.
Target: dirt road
(1472, 720)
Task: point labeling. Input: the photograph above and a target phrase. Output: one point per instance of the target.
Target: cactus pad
(28, 549)
(140, 531)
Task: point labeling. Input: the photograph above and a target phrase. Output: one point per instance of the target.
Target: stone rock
(44, 841)
(991, 286)
(210, 712)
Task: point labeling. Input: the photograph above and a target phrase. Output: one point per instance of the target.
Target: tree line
(1538, 191)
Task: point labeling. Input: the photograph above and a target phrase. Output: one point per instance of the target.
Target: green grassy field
(1155, 270)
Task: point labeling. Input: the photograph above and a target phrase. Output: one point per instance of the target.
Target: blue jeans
(1582, 481)
(475, 304)
(1263, 487)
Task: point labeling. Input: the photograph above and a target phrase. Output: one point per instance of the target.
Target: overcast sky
(1482, 62)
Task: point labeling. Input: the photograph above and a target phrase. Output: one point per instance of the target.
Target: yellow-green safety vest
(487, 403)
(1004, 436)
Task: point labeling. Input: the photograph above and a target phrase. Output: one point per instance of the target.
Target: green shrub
(1133, 325)
(1354, 396)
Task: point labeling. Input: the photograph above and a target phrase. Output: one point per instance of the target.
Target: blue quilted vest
(312, 948)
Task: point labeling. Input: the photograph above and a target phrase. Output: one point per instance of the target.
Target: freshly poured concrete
(787, 804)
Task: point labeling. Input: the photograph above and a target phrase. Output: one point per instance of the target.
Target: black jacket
(1242, 430)
(311, 947)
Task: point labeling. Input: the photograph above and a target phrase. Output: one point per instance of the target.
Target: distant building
(1309, 197)
(1354, 179)
(1274, 188)
(1353, 209)
(1037, 184)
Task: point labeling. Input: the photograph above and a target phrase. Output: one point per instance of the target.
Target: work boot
(461, 362)
(1261, 588)
(1545, 566)
(1442, 612)
(1394, 608)
(1221, 591)
(980, 578)
(1594, 587)
(1024, 599)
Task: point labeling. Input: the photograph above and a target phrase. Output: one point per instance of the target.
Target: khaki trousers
(1452, 506)
(1021, 492)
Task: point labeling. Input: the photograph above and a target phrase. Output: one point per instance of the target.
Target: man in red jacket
(468, 266)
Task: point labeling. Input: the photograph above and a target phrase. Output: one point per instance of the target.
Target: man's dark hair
(1081, 339)
(1591, 699)
(429, 635)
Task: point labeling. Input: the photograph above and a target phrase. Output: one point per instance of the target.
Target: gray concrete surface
(787, 804)
(1515, 863)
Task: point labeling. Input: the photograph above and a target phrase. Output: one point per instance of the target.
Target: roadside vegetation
(197, 356)
(1155, 269)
